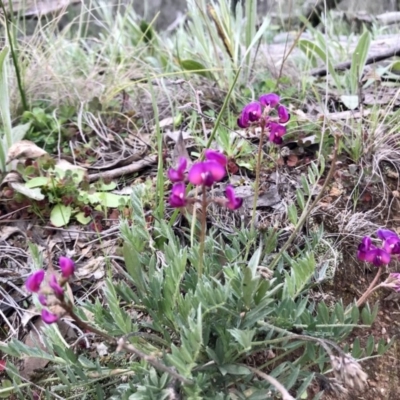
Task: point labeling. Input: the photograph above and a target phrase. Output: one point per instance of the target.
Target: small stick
(392, 52)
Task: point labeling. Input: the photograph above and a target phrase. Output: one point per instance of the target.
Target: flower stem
(203, 230)
(370, 289)
(258, 172)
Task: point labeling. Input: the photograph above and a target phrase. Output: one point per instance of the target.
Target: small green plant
(62, 193)
(349, 83)
(200, 329)
(49, 128)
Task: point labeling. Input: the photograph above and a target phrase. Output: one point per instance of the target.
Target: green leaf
(355, 314)
(60, 215)
(37, 182)
(292, 214)
(323, 313)
(5, 106)
(243, 337)
(366, 315)
(309, 46)
(195, 67)
(234, 369)
(105, 187)
(255, 261)
(111, 200)
(80, 217)
(19, 131)
(6, 389)
(34, 194)
(147, 30)
(359, 58)
(370, 346)
(356, 351)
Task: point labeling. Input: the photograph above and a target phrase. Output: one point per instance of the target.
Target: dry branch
(128, 169)
(392, 52)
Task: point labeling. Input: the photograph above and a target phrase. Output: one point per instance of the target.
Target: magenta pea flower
(48, 317)
(251, 113)
(53, 283)
(378, 257)
(67, 266)
(383, 234)
(34, 281)
(177, 198)
(276, 131)
(259, 113)
(391, 241)
(206, 173)
(212, 155)
(370, 253)
(270, 100)
(283, 114)
(178, 174)
(233, 202)
(364, 247)
(392, 245)
(42, 299)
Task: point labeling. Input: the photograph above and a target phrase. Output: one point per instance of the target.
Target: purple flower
(34, 281)
(58, 290)
(392, 245)
(48, 317)
(233, 202)
(177, 198)
(283, 114)
(378, 257)
(178, 175)
(276, 131)
(67, 266)
(212, 155)
(251, 113)
(42, 299)
(270, 99)
(384, 234)
(206, 173)
(364, 247)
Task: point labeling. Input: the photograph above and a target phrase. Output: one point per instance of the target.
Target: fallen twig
(128, 169)
(393, 52)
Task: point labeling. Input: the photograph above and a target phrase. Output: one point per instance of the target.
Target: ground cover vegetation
(204, 213)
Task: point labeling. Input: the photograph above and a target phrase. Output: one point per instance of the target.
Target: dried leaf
(24, 149)
(65, 165)
(292, 160)
(335, 192)
(7, 231)
(180, 150)
(94, 268)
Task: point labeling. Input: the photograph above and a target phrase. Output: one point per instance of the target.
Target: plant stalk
(258, 172)
(370, 289)
(14, 54)
(203, 230)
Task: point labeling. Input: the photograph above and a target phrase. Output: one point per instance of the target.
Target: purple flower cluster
(379, 256)
(257, 113)
(205, 174)
(35, 281)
